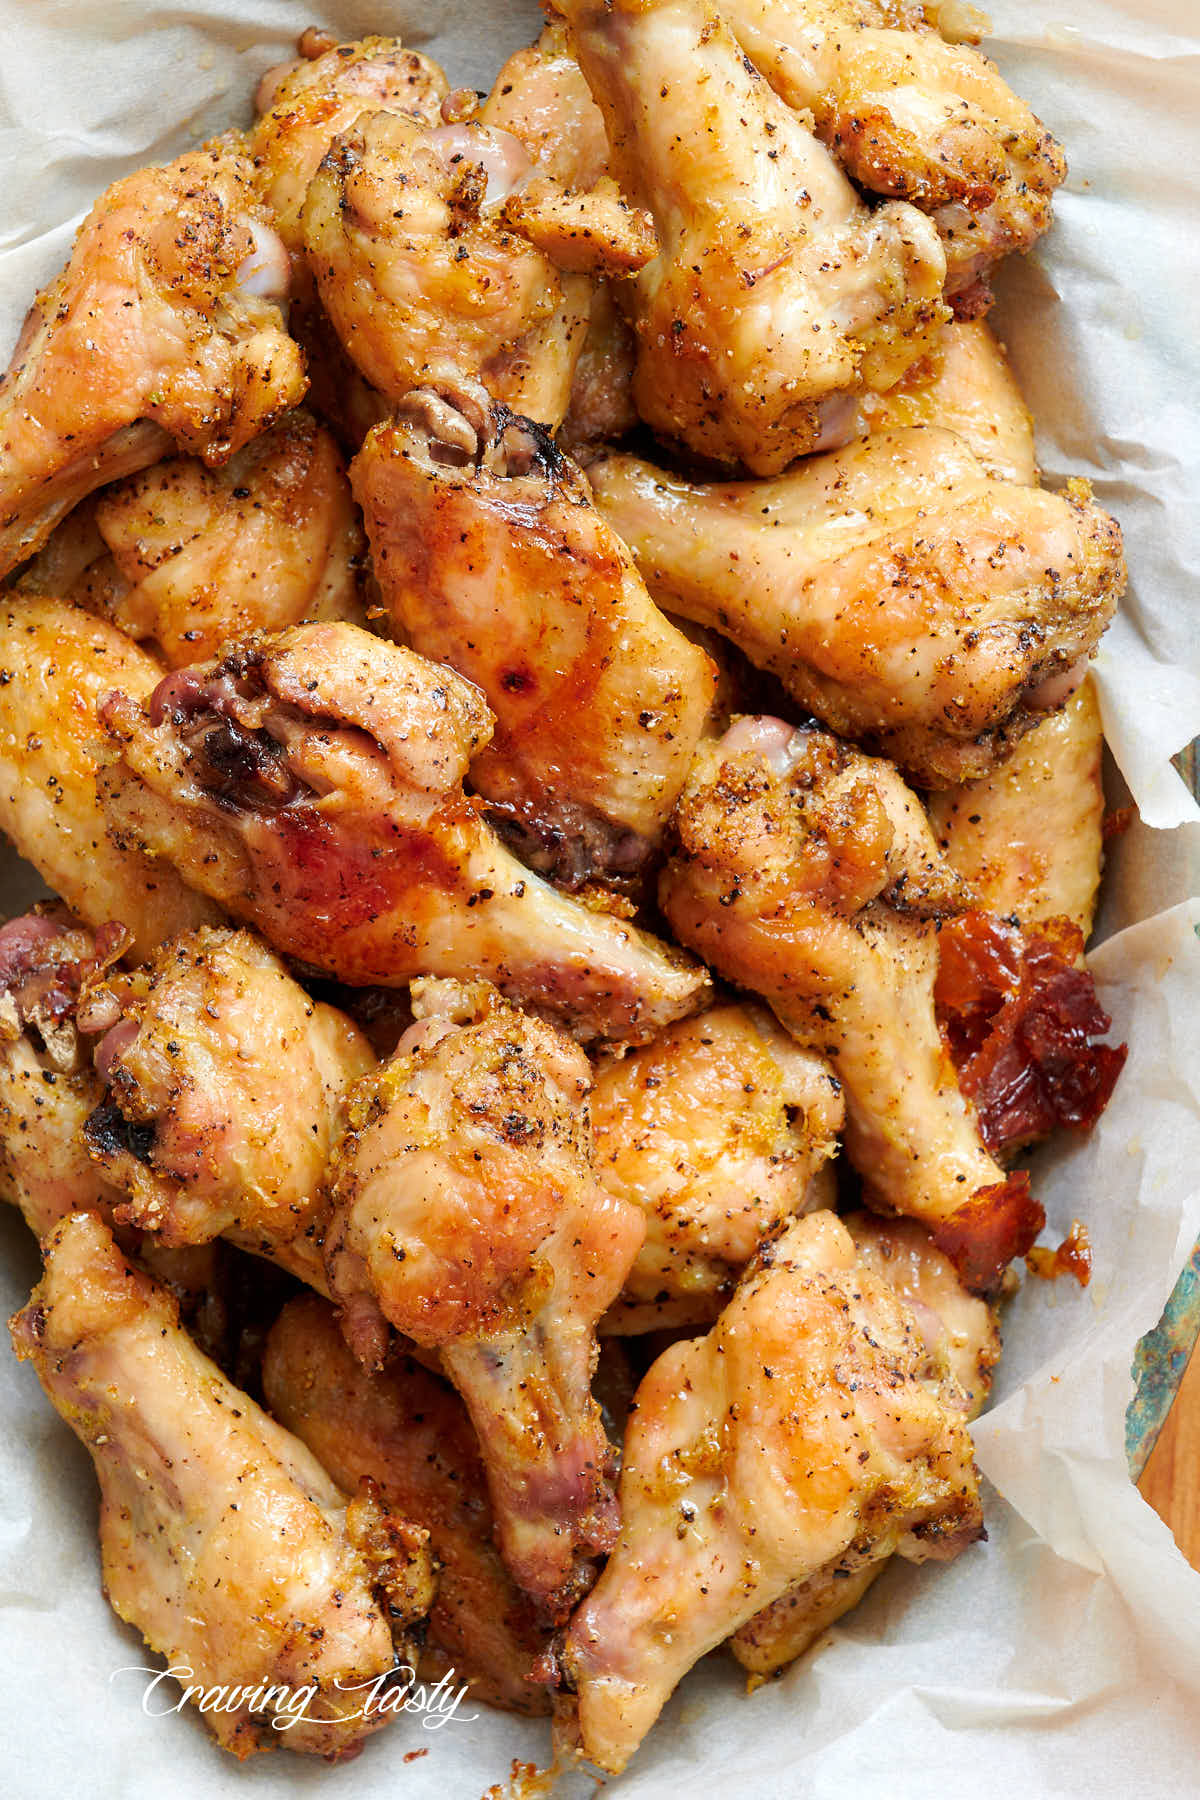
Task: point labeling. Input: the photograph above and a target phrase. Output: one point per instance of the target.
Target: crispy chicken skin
(410, 1434)
(715, 1130)
(164, 325)
(994, 593)
(541, 97)
(187, 558)
(961, 1342)
(467, 1214)
(221, 1537)
(964, 385)
(1028, 836)
(312, 782)
(491, 557)
(223, 1086)
(309, 103)
(776, 295)
(808, 873)
(912, 116)
(56, 664)
(755, 1456)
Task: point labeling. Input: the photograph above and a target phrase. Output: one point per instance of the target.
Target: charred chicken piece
(807, 872)
(409, 1433)
(754, 1457)
(467, 1215)
(223, 1086)
(716, 1131)
(221, 1537)
(491, 557)
(993, 595)
(313, 783)
(56, 664)
(163, 329)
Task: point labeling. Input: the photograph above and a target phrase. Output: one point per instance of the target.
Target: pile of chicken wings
(536, 661)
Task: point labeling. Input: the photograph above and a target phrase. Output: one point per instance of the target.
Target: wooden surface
(1171, 1478)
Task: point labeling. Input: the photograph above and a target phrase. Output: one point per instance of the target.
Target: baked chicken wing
(491, 557)
(541, 97)
(807, 872)
(754, 1457)
(468, 1216)
(222, 1539)
(312, 782)
(164, 328)
(899, 592)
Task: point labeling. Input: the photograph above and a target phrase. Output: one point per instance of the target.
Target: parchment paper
(1063, 1656)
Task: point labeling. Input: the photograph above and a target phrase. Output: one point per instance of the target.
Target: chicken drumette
(164, 327)
(222, 1539)
(409, 1433)
(223, 1086)
(899, 592)
(468, 1216)
(491, 558)
(716, 1131)
(808, 872)
(754, 1457)
(312, 782)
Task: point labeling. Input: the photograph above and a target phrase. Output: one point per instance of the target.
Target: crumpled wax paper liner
(1062, 1656)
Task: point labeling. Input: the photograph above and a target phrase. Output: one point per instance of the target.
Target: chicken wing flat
(808, 873)
(899, 592)
(716, 1131)
(186, 558)
(912, 116)
(491, 557)
(961, 1341)
(164, 327)
(223, 1085)
(312, 782)
(754, 1457)
(221, 1537)
(409, 1433)
(777, 296)
(468, 1216)
(56, 664)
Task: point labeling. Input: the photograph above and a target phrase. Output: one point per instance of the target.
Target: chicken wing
(754, 1457)
(777, 296)
(187, 558)
(312, 782)
(1028, 836)
(467, 1214)
(961, 1340)
(222, 1539)
(600, 408)
(164, 326)
(56, 663)
(898, 591)
(715, 1130)
(808, 873)
(491, 558)
(912, 116)
(541, 97)
(223, 1085)
(409, 1433)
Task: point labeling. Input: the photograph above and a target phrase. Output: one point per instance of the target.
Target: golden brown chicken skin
(186, 558)
(898, 591)
(164, 328)
(409, 1433)
(541, 97)
(223, 1086)
(56, 664)
(776, 296)
(716, 1131)
(491, 557)
(222, 1539)
(755, 1456)
(312, 782)
(808, 873)
(467, 1215)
